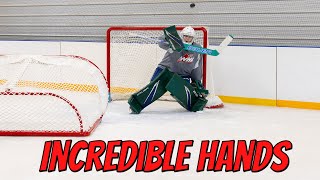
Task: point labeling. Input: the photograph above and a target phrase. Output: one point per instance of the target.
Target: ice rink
(20, 156)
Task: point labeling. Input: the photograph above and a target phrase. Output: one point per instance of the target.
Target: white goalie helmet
(188, 31)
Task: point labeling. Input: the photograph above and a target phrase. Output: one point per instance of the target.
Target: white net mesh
(133, 56)
(59, 95)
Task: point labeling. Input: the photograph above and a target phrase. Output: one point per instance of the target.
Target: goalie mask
(187, 35)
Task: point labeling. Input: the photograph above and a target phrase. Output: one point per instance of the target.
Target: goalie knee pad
(185, 94)
(199, 104)
(199, 88)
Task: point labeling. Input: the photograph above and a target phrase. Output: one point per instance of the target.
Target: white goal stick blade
(224, 43)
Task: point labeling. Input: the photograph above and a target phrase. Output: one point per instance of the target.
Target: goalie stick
(211, 52)
(200, 50)
(177, 44)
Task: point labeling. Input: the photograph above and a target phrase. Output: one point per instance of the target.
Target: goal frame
(60, 98)
(150, 28)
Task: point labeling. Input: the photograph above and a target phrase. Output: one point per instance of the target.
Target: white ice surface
(20, 156)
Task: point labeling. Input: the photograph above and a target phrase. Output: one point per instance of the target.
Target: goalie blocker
(189, 96)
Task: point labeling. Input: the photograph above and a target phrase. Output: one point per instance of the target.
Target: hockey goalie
(179, 73)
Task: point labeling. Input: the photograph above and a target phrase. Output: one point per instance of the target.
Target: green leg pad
(150, 93)
(185, 94)
(135, 106)
(199, 105)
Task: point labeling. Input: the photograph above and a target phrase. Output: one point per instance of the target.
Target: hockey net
(133, 54)
(50, 95)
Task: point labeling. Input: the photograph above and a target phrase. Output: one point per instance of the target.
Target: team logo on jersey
(187, 58)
